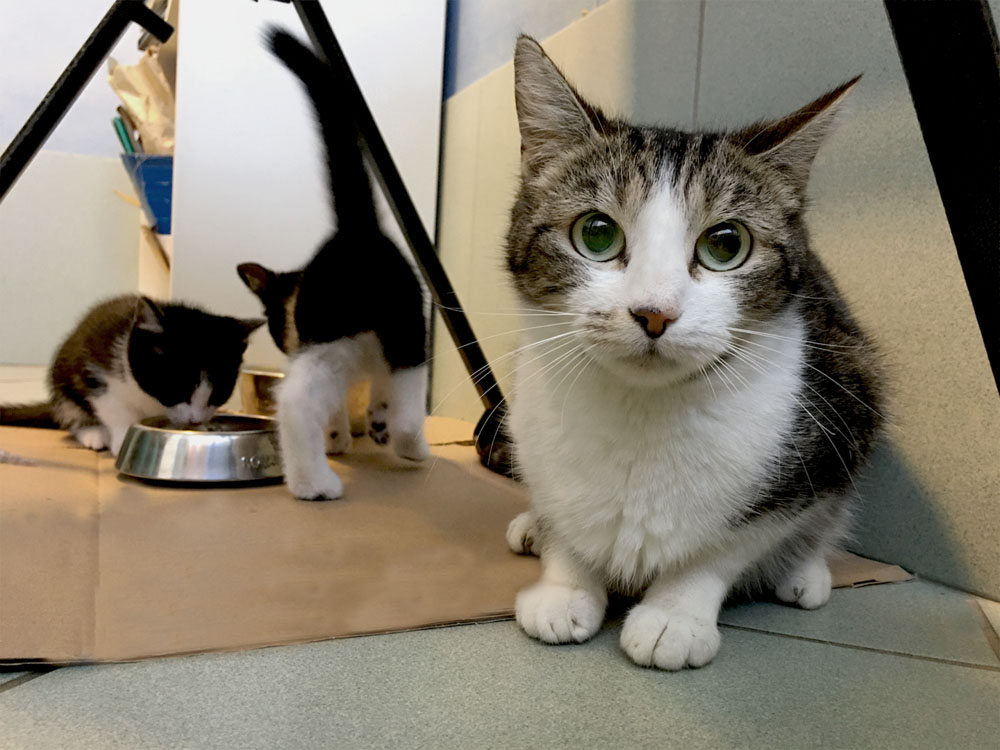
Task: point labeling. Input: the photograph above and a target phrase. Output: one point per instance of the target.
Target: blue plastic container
(153, 177)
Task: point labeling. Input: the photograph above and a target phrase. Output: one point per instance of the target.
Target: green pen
(123, 135)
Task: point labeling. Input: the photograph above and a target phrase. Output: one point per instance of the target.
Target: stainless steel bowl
(229, 448)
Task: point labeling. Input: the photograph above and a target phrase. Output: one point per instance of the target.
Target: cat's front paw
(555, 613)
(338, 442)
(808, 586)
(95, 437)
(325, 486)
(522, 533)
(657, 637)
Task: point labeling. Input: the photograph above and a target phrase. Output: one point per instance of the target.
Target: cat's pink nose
(654, 322)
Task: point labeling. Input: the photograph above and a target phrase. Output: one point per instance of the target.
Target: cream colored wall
(481, 162)
(931, 497)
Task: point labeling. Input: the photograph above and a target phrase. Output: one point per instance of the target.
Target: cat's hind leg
(522, 534)
(315, 385)
(407, 410)
(338, 431)
(377, 419)
(807, 583)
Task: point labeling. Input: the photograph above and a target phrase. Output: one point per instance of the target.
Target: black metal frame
(64, 91)
(949, 53)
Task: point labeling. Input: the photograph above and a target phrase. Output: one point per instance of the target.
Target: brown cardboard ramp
(94, 567)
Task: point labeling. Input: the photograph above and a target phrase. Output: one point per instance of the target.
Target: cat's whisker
(587, 361)
(825, 375)
(511, 332)
(506, 311)
(814, 344)
(481, 373)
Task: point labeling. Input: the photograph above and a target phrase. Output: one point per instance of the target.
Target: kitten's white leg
(116, 417)
(93, 436)
(675, 624)
(807, 584)
(407, 409)
(566, 605)
(338, 431)
(377, 421)
(522, 533)
(314, 386)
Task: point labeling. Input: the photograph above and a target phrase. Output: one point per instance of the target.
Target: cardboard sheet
(96, 567)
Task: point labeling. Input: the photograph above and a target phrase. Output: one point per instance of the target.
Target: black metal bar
(949, 53)
(319, 31)
(69, 85)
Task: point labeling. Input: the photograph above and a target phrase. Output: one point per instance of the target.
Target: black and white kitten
(355, 311)
(131, 358)
(695, 426)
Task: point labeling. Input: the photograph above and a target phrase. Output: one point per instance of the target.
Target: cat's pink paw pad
(668, 639)
(558, 614)
(522, 533)
(808, 586)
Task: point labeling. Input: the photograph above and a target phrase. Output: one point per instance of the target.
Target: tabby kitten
(354, 312)
(723, 397)
(131, 358)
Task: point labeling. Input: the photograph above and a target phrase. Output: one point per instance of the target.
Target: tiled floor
(908, 665)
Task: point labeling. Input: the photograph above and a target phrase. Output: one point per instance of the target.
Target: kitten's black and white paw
(326, 485)
(378, 422)
(522, 533)
(653, 636)
(94, 437)
(555, 613)
(411, 445)
(338, 442)
(807, 585)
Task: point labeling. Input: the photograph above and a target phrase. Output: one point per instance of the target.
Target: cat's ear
(550, 114)
(249, 325)
(256, 277)
(148, 316)
(791, 142)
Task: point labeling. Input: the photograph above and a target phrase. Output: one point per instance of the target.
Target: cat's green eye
(598, 237)
(724, 246)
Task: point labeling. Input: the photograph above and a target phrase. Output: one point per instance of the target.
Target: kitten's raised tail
(349, 183)
(28, 415)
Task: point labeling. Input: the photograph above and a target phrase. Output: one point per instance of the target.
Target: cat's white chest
(638, 480)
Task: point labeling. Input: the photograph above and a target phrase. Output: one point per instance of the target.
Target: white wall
(249, 182)
(66, 240)
(37, 40)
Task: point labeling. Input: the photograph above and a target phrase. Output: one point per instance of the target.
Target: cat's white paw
(378, 422)
(339, 441)
(669, 639)
(325, 486)
(95, 437)
(411, 446)
(554, 613)
(522, 533)
(808, 585)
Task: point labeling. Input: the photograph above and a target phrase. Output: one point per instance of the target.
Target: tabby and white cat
(354, 312)
(130, 358)
(694, 427)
